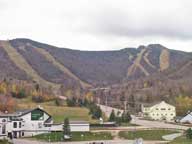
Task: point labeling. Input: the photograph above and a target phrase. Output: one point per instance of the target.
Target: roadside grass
(181, 140)
(76, 136)
(59, 113)
(109, 128)
(4, 142)
(145, 134)
(128, 125)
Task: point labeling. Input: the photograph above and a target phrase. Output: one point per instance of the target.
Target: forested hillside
(144, 74)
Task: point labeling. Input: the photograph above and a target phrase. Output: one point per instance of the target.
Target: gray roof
(187, 118)
(21, 113)
(150, 104)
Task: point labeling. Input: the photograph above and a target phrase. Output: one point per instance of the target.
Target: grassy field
(181, 140)
(146, 134)
(59, 113)
(76, 136)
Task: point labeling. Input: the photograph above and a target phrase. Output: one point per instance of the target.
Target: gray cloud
(99, 24)
(2, 5)
(172, 21)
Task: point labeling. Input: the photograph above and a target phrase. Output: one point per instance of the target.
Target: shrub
(126, 117)
(189, 133)
(58, 102)
(38, 99)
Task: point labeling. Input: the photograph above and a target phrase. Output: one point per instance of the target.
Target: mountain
(165, 85)
(49, 65)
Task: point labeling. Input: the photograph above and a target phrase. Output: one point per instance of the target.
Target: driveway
(157, 124)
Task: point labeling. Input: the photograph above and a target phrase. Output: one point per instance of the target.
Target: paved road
(145, 123)
(23, 141)
(157, 124)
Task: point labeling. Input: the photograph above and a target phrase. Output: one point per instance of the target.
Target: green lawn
(59, 113)
(73, 113)
(76, 136)
(145, 134)
(181, 140)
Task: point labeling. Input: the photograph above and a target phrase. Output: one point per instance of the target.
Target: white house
(159, 111)
(33, 122)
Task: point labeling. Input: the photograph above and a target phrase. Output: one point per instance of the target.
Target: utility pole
(125, 106)
(106, 99)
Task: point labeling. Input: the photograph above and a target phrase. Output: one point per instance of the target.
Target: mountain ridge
(95, 68)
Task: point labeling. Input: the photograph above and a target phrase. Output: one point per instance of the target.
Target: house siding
(161, 111)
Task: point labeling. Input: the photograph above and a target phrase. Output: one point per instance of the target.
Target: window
(4, 120)
(22, 133)
(19, 124)
(157, 109)
(37, 115)
(163, 108)
(48, 125)
(15, 125)
(169, 108)
(3, 129)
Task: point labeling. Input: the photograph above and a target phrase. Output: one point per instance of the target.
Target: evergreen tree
(21, 94)
(118, 120)
(112, 117)
(37, 87)
(66, 127)
(189, 133)
(126, 117)
(71, 102)
(58, 102)
(96, 112)
(132, 100)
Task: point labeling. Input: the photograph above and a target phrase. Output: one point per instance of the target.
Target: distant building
(33, 122)
(159, 111)
(187, 118)
(107, 110)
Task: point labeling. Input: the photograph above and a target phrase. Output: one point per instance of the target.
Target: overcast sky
(99, 24)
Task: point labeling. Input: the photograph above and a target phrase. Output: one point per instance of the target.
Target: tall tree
(189, 133)
(66, 127)
(112, 116)
(126, 117)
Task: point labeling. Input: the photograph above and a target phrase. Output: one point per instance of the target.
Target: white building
(187, 118)
(33, 122)
(159, 111)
